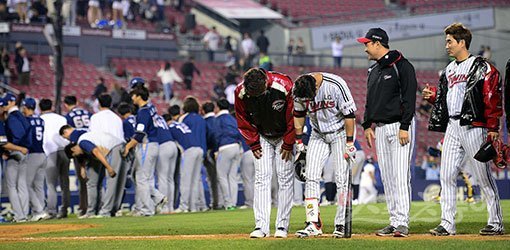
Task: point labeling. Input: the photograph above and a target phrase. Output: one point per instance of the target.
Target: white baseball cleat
(38, 217)
(280, 233)
(257, 233)
(311, 229)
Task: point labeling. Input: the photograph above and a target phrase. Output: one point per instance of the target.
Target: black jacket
(482, 102)
(391, 91)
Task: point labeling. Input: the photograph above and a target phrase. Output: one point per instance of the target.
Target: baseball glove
(299, 166)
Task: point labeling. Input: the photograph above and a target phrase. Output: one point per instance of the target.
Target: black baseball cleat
(389, 230)
(439, 231)
(339, 231)
(401, 231)
(491, 230)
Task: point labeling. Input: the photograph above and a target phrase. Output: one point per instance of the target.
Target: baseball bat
(348, 206)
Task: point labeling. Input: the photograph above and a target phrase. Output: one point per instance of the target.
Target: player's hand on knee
(286, 154)
(492, 136)
(257, 153)
(403, 137)
(369, 136)
(350, 151)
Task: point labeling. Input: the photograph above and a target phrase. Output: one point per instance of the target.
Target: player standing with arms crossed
(467, 107)
(391, 102)
(263, 104)
(331, 107)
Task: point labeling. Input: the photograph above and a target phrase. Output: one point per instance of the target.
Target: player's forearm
(12, 147)
(350, 126)
(299, 123)
(97, 153)
(132, 143)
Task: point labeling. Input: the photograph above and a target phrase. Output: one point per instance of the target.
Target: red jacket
(269, 114)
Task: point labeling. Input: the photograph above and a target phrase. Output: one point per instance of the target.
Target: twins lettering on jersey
(326, 104)
(454, 79)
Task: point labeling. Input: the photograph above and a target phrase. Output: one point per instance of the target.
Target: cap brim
(363, 40)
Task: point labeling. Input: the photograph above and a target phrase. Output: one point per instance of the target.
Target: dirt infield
(21, 233)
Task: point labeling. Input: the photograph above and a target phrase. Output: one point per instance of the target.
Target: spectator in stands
(337, 48)
(188, 69)
(5, 16)
(232, 74)
(300, 49)
(118, 17)
(4, 66)
(228, 44)
(262, 42)
(249, 50)
(39, 12)
(487, 53)
(120, 71)
(119, 95)
(100, 88)
(290, 50)
(265, 62)
(81, 9)
(231, 59)
(212, 42)
(168, 77)
(93, 13)
(21, 9)
(23, 67)
(219, 89)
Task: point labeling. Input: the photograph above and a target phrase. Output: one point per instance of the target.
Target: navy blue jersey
(37, 132)
(226, 129)
(18, 129)
(198, 127)
(129, 127)
(164, 134)
(146, 124)
(78, 118)
(182, 134)
(209, 134)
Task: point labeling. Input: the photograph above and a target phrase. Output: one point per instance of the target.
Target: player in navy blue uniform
(192, 189)
(166, 166)
(128, 124)
(18, 133)
(147, 148)
(35, 162)
(209, 161)
(229, 153)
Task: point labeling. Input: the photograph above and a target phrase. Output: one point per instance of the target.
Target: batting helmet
(299, 167)
(137, 81)
(486, 152)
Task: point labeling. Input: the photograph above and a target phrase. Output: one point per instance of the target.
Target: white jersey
(101, 139)
(456, 75)
(108, 122)
(332, 102)
(52, 141)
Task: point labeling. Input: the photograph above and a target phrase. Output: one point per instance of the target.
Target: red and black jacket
(268, 115)
(482, 106)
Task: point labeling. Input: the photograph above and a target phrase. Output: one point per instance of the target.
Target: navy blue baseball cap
(29, 103)
(9, 97)
(137, 81)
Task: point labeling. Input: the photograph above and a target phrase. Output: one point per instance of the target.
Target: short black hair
(190, 105)
(167, 117)
(255, 81)
(304, 87)
(223, 104)
(70, 100)
(64, 128)
(208, 107)
(140, 91)
(459, 32)
(124, 108)
(105, 100)
(174, 110)
(69, 150)
(45, 104)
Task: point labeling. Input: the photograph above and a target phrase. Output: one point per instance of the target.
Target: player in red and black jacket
(264, 105)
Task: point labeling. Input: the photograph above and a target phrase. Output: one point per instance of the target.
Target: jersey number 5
(38, 133)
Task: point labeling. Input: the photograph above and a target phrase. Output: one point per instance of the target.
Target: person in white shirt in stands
(57, 164)
(249, 49)
(212, 41)
(367, 190)
(168, 77)
(337, 48)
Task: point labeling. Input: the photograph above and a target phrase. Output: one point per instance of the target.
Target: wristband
(299, 137)
(350, 138)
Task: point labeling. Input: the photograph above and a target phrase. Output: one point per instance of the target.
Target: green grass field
(231, 224)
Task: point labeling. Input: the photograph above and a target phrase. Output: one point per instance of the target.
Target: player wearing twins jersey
(263, 104)
(147, 148)
(390, 106)
(17, 129)
(329, 103)
(467, 107)
(35, 161)
(192, 189)
(76, 116)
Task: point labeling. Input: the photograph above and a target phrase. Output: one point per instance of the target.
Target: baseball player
(78, 118)
(35, 161)
(390, 106)
(166, 165)
(229, 157)
(247, 175)
(57, 163)
(192, 189)
(128, 124)
(263, 105)
(209, 161)
(329, 103)
(147, 148)
(17, 129)
(467, 107)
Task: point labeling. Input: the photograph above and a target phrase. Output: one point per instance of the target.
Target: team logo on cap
(278, 105)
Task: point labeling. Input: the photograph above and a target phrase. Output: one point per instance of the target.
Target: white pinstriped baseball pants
(262, 195)
(320, 147)
(458, 141)
(395, 165)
